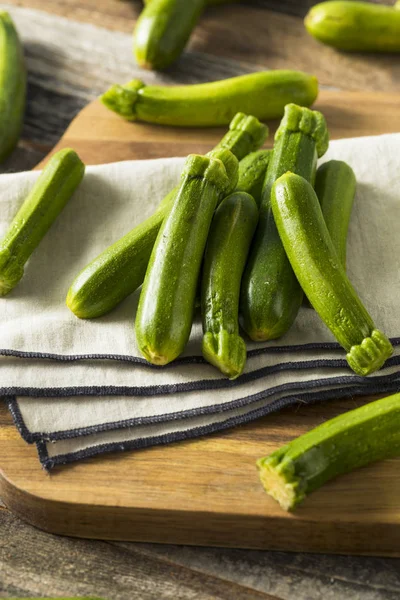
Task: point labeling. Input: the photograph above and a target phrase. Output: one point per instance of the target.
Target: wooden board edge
(211, 529)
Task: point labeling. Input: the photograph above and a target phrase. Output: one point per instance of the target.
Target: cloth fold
(78, 388)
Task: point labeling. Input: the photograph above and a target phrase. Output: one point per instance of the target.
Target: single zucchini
(252, 170)
(120, 269)
(335, 186)
(263, 94)
(167, 301)
(355, 26)
(12, 86)
(317, 266)
(345, 443)
(54, 187)
(163, 30)
(228, 244)
(271, 295)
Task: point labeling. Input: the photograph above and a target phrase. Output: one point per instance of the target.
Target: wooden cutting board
(206, 491)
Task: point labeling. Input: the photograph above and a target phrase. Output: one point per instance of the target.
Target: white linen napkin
(78, 388)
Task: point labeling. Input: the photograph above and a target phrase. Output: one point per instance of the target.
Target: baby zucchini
(120, 269)
(355, 26)
(317, 266)
(54, 187)
(167, 301)
(228, 244)
(271, 295)
(12, 86)
(263, 94)
(345, 443)
(163, 30)
(335, 186)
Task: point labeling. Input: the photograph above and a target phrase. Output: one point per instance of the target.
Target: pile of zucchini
(249, 231)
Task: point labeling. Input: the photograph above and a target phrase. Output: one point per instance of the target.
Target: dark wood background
(74, 50)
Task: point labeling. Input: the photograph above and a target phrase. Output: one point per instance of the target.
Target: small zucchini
(54, 187)
(163, 30)
(12, 86)
(120, 269)
(317, 266)
(355, 26)
(264, 95)
(271, 295)
(335, 186)
(228, 244)
(345, 443)
(167, 301)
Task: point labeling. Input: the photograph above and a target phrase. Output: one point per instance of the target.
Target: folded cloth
(78, 388)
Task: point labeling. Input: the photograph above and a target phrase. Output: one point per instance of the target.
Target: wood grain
(207, 491)
(70, 62)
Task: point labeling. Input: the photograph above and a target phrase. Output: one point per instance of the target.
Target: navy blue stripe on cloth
(333, 346)
(367, 384)
(190, 386)
(51, 462)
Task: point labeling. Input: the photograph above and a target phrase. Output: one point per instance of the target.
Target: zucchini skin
(271, 295)
(167, 301)
(120, 269)
(12, 86)
(335, 186)
(355, 26)
(54, 187)
(264, 95)
(305, 237)
(347, 442)
(252, 171)
(228, 244)
(163, 30)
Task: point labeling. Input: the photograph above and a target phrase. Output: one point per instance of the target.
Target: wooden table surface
(74, 50)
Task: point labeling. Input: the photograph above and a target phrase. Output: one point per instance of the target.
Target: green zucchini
(12, 86)
(163, 30)
(120, 269)
(355, 26)
(317, 266)
(271, 295)
(340, 445)
(54, 187)
(252, 170)
(167, 301)
(264, 95)
(228, 244)
(335, 186)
